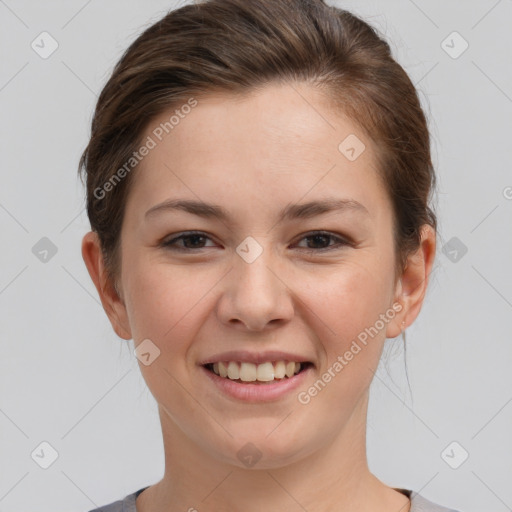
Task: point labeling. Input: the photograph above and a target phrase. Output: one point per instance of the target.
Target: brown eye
(320, 241)
(190, 241)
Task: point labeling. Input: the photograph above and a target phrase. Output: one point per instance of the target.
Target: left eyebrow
(290, 212)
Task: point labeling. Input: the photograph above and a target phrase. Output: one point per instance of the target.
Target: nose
(256, 294)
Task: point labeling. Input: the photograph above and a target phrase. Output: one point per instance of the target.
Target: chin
(264, 449)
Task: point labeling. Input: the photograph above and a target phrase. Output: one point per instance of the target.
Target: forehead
(273, 145)
(285, 122)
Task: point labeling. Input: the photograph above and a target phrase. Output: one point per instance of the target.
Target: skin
(254, 155)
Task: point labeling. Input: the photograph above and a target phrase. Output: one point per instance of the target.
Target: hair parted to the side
(237, 46)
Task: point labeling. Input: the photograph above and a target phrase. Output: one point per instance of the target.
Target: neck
(334, 477)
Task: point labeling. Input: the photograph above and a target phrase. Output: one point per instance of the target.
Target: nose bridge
(253, 267)
(256, 294)
(252, 270)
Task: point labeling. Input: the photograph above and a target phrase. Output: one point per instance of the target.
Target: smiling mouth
(270, 371)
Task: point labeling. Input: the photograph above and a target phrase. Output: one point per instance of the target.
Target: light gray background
(68, 380)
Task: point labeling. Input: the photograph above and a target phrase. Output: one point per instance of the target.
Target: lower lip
(264, 392)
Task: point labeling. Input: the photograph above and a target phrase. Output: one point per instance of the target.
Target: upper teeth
(249, 372)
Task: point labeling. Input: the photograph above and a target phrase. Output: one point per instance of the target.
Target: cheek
(351, 296)
(166, 304)
(348, 317)
(349, 324)
(164, 300)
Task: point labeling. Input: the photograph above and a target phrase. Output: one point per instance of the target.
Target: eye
(322, 238)
(196, 240)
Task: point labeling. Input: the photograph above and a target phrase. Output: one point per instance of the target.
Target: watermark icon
(44, 455)
(44, 45)
(304, 397)
(249, 249)
(455, 455)
(454, 249)
(150, 143)
(352, 147)
(44, 250)
(146, 352)
(249, 455)
(454, 45)
(507, 193)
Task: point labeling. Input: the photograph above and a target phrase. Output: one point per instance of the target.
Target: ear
(112, 303)
(412, 285)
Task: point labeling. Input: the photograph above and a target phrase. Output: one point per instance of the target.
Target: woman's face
(257, 281)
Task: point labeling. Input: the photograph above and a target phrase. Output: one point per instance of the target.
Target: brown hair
(236, 46)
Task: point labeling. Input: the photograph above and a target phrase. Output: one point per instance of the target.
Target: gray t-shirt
(418, 503)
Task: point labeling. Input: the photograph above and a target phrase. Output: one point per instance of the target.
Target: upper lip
(255, 357)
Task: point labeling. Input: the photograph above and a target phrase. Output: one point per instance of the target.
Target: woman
(258, 184)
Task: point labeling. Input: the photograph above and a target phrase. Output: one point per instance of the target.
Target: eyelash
(170, 244)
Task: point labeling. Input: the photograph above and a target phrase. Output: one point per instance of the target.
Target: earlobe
(412, 286)
(110, 297)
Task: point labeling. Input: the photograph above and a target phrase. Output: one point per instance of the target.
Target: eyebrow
(290, 212)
